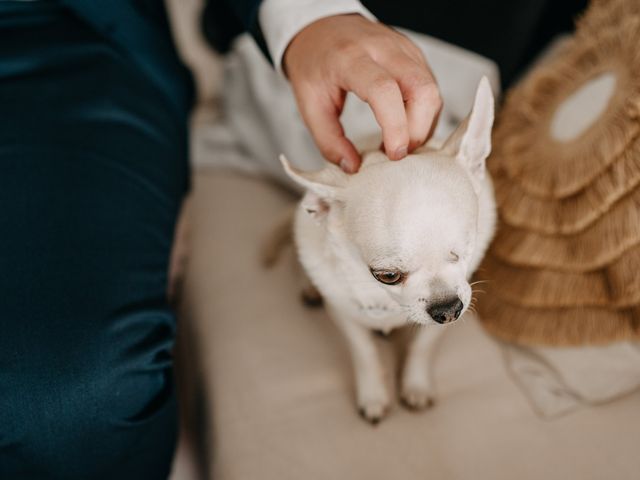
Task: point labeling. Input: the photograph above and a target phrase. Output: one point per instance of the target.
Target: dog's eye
(453, 257)
(388, 277)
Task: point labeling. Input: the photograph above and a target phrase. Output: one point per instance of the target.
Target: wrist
(282, 20)
(314, 36)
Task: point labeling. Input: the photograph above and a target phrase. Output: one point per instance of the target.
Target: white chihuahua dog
(397, 243)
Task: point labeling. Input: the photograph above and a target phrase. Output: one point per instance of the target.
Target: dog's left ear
(326, 186)
(471, 142)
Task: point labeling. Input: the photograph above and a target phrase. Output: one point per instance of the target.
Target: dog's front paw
(374, 410)
(373, 402)
(416, 397)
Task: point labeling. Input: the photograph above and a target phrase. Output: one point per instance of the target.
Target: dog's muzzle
(446, 311)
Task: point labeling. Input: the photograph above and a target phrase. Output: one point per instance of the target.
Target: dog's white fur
(431, 215)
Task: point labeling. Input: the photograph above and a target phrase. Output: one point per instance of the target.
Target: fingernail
(345, 165)
(401, 152)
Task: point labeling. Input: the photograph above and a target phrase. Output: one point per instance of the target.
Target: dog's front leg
(372, 395)
(417, 389)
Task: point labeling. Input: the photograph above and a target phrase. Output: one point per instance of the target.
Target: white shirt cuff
(281, 20)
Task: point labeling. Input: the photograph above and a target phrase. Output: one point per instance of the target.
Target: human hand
(348, 53)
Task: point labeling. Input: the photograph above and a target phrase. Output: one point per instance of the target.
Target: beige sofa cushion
(278, 386)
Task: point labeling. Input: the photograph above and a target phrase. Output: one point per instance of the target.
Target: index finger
(421, 95)
(323, 119)
(377, 87)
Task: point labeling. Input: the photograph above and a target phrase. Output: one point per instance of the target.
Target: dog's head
(411, 223)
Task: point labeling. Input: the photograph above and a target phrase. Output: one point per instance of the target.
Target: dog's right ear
(470, 144)
(326, 186)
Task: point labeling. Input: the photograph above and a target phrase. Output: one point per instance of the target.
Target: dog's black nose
(446, 311)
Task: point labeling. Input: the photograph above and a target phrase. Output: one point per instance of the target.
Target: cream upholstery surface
(278, 386)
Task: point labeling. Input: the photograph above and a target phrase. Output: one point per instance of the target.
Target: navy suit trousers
(93, 168)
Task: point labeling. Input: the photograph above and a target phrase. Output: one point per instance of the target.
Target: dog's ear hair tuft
(315, 206)
(471, 142)
(327, 184)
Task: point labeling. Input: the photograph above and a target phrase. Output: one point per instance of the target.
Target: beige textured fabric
(563, 268)
(278, 387)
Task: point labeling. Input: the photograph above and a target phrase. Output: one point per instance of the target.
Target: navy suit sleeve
(225, 19)
(245, 10)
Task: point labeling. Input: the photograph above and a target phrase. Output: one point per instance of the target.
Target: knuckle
(385, 40)
(419, 81)
(382, 85)
(346, 49)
